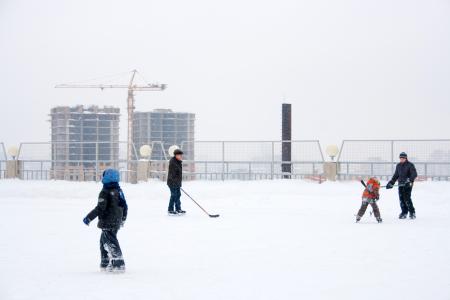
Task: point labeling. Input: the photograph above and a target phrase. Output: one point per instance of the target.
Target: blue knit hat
(403, 155)
(110, 175)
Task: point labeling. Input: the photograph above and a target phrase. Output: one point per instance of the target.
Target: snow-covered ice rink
(273, 240)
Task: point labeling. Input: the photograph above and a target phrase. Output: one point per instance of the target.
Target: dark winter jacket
(404, 172)
(111, 209)
(175, 174)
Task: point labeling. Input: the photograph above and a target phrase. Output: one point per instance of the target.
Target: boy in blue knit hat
(111, 210)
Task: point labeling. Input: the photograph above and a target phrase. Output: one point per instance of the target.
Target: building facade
(162, 128)
(85, 140)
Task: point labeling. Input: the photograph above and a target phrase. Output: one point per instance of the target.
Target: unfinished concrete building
(85, 141)
(166, 126)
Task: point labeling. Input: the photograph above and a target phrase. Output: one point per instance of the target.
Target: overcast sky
(351, 69)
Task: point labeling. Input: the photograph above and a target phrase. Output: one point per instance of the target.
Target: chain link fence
(78, 161)
(249, 160)
(228, 160)
(379, 157)
(3, 159)
(213, 160)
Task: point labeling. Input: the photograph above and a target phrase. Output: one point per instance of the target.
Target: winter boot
(402, 216)
(172, 213)
(181, 212)
(412, 216)
(379, 220)
(117, 265)
(104, 264)
(358, 218)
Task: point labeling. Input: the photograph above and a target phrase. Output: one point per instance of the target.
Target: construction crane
(132, 87)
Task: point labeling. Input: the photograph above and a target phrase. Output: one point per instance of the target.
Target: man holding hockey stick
(174, 179)
(405, 173)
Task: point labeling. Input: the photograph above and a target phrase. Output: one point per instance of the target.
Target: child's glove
(86, 221)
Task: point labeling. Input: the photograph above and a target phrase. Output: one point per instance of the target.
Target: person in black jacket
(174, 178)
(405, 173)
(112, 211)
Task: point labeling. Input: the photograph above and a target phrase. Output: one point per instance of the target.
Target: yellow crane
(131, 87)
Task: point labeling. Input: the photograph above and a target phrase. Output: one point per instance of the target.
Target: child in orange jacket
(370, 196)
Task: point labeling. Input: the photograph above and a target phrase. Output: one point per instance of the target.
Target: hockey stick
(211, 216)
(363, 183)
(381, 186)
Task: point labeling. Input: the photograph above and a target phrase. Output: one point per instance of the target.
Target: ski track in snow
(273, 240)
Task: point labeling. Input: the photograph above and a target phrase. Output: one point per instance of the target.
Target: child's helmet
(110, 175)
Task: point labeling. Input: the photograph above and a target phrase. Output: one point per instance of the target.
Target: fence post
(227, 170)
(392, 157)
(223, 160)
(273, 161)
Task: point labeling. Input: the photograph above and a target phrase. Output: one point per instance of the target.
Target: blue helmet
(110, 175)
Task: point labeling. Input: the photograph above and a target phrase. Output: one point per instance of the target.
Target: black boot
(181, 212)
(172, 213)
(118, 265)
(412, 216)
(402, 216)
(104, 264)
(379, 220)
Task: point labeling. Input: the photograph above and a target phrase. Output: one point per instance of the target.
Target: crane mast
(130, 110)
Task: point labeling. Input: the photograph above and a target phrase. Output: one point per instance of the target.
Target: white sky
(351, 69)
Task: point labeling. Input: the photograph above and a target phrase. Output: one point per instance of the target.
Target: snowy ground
(274, 240)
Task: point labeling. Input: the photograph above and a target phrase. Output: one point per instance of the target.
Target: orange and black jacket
(372, 189)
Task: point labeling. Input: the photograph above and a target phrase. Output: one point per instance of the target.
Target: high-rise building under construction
(85, 140)
(162, 128)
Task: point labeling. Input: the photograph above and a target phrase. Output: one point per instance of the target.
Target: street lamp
(172, 149)
(13, 151)
(145, 151)
(332, 151)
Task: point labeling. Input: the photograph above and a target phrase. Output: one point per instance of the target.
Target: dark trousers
(110, 249)
(406, 204)
(364, 205)
(175, 203)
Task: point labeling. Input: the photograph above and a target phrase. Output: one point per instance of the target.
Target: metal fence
(379, 157)
(84, 161)
(249, 160)
(228, 160)
(213, 160)
(3, 159)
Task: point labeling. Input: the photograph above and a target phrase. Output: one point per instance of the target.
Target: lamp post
(12, 166)
(331, 168)
(143, 164)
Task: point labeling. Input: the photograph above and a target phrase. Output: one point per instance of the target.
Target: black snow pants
(364, 205)
(406, 204)
(111, 254)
